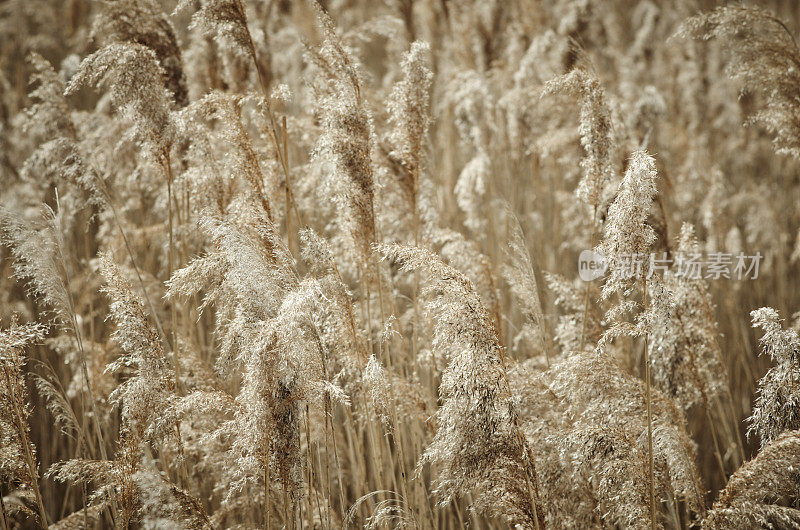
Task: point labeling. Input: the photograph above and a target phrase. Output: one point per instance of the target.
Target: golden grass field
(399, 264)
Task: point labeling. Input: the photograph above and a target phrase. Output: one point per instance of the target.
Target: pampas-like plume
(135, 81)
(764, 59)
(408, 106)
(777, 407)
(347, 136)
(473, 107)
(226, 20)
(143, 22)
(166, 506)
(57, 404)
(125, 482)
(38, 250)
(763, 493)
(289, 378)
(478, 447)
(595, 130)
(57, 158)
(627, 236)
(251, 280)
(685, 355)
(144, 395)
(18, 465)
(567, 497)
(246, 275)
(40, 256)
(227, 109)
(49, 115)
(470, 190)
(609, 443)
(465, 255)
(331, 309)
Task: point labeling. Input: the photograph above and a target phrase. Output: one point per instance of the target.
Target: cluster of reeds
(314, 264)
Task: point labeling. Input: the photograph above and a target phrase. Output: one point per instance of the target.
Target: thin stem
(588, 284)
(313, 493)
(22, 431)
(649, 422)
(3, 517)
(267, 510)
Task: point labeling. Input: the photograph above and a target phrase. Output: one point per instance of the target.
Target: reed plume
(19, 467)
(478, 445)
(775, 410)
(326, 264)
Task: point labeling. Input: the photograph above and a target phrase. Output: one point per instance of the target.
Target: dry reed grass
(313, 264)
